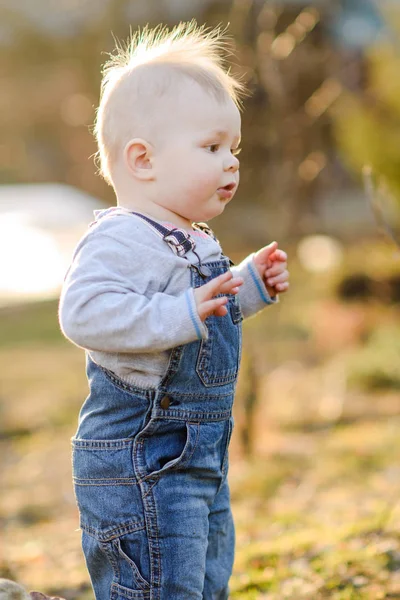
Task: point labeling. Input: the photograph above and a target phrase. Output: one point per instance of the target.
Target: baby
(158, 308)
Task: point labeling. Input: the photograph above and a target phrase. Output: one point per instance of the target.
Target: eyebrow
(223, 134)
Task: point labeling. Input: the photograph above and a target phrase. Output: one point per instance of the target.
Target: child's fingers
(282, 287)
(276, 269)
(214, 306)
(213, 287)
(279, 255)
(232, 286)
(263, 256)
(210, 289)
(221, 311)
(223, 284)
(205, 295)
(281, 278)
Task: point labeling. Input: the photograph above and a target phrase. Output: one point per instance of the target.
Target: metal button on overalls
(165, 402)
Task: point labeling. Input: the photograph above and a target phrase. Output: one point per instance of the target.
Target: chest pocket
(218, 358)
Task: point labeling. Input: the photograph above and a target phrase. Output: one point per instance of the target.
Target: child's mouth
(226, 192)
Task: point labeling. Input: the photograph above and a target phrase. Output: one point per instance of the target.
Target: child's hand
(204, 295)
(272, 266)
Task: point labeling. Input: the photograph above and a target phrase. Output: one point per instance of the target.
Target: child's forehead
(219, 123)
(201, 110)
(178, 104)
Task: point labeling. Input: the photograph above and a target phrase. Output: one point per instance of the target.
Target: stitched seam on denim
(187, 415)
(157, 479)
(150, 516)
(173, 364)
(104, 478)
(113, 532)
(195, 442)
(205, 349)
(102, 444)
(184, 415)
(258, 285)
(119, 591)
(198, 416)
(86, 481)
(204, 359)
(141, 582)
(192, 315)
(112, 483)
(114, 563)
(152, 525)
(148, 393)
(213, 381)
(203, 362)
(217, 264)
(222, 262)
(205, 396)
(203, 369)
(229, 373)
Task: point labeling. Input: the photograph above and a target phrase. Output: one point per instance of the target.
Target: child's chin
(221, 207)
(217, 209)
(215, 213)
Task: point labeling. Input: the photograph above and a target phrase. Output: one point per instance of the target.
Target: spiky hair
(188, 50)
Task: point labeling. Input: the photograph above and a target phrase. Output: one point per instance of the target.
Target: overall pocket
(219, 356)
(165, 445)
(111, 514)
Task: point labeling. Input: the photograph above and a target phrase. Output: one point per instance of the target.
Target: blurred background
(315, 471)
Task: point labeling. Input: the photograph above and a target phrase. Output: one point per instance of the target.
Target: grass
(317, 513)
(24, 324)
(316, 503)
(331, 528)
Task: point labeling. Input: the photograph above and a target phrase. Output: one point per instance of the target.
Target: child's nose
(232, 164)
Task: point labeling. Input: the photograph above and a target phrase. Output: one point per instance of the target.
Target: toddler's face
(197, 172)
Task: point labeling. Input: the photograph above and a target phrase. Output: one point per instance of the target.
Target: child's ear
(138, 156)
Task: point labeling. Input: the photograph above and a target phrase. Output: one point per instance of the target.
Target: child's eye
(213, 148)
(236, 151)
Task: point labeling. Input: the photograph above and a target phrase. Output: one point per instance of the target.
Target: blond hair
(145, 68)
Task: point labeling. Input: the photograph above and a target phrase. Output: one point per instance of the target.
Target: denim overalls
(150, 470)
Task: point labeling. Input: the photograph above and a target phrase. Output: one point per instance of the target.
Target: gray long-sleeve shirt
(127, 298)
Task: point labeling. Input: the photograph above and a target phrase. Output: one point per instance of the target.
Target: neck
(153, 210)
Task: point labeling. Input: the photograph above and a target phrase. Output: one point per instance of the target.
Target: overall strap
(206, 229)
(178, 240)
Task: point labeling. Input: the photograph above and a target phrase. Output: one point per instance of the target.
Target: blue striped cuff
(259, 285)
(193, 315)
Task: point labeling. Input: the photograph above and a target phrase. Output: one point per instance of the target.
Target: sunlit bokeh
(31, 265)
(314, 458)
(319, 253)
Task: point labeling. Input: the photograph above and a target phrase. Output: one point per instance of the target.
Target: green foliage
(366, 125)
(315, 514)
(375, 365)
(29, 323)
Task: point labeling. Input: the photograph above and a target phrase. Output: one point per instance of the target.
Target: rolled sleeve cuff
(259, 284)
(197, 324)
(253, 295)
